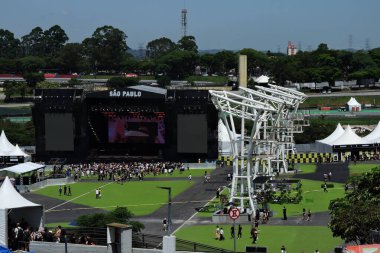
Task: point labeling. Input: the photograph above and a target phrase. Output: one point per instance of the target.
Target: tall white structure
(260, 124)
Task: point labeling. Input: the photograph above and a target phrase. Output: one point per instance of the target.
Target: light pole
(169, 208)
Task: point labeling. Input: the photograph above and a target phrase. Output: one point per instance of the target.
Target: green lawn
(361, 168)
(297, 239)
(313, 198)
(306, 168)
(141, 198)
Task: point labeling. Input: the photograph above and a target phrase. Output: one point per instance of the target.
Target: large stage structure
(132, 123)
(260, 124)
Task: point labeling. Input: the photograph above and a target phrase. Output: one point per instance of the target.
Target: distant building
(292, 49)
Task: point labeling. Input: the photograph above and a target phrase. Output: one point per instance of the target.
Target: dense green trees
(355, 215)
(106, 51)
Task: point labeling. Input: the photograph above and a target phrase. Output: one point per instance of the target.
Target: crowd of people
(21, 234)
(120, 172)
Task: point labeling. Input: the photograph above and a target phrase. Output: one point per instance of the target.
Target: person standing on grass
(64, 190)
(190, 177)
(97, 193)
(217, 233)
(308, 215)
(303, 214)
(325, 188)
(221, 234)
(283, 249)
(284, 213)
(240, 230)
(69, 191)
(232, 232)
(60, 190)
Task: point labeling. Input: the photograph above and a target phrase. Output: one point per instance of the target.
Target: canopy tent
(262, 79)
(5, 145)
(23, 168)
(224, 142)
(353, 105)
(349, 137)
(323, 146)
(375, 134)
(14, 207)
(18, 152)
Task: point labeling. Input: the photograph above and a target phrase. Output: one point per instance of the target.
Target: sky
(215, 24)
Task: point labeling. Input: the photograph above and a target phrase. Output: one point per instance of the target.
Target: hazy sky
(216, 24)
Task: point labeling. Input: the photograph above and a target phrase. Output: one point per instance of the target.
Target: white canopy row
(347, 136)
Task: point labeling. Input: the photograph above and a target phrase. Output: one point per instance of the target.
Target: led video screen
(59, 132)
(127, 129)
(192, 133)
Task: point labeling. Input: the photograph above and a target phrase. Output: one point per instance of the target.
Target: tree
(54, 38)
(33, 43)
(32, 63)
(208, 61)
(159, 47)
(188, 43)
(9, 46)
(225, 61)
(106, 48)
(179, 64)
(119, 215)
(70, 57)
(356, 214)
(257, 61)
(32, 78)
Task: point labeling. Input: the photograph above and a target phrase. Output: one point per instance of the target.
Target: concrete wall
(48, 247)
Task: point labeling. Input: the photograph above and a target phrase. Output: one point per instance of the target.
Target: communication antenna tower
(184, 21)
(367, 45)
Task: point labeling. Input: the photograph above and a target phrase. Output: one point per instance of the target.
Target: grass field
(313, 198)
(306, 168)
(297, 239)
(338, 101)
(357, 169)
(141, 198)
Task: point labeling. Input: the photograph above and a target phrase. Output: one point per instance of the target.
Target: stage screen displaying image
(192, 133)
(59, 132)
(127, 129)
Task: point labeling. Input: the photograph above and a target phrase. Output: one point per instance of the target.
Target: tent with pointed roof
(224, 141)
(375, 134)
(5, 145)
(349, 137)
(323, 146)
(353, 105)
(14, 207)
(18, 152)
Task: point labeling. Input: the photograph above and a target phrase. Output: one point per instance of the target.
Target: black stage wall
(131, 123)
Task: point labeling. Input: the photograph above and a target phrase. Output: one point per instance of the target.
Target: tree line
(107, 51)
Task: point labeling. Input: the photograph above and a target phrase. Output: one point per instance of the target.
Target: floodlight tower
(238, 108)
(184, 21)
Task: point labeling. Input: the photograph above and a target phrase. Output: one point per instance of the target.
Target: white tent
(262, 79)
(323, 146)
(14, 207)
(23, 168)
(375, 134)
(353, 105)
(5, 145)
(224, 142)
(349, 137)
(18, 152)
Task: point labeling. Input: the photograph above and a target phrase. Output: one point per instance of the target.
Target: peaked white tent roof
(375, 134)
(10, 198)
(5, 145)
(18, 152)
(262, 79)
(23, 168)
(353, 102)
(335, 135)
(349, 137)
(222, 132)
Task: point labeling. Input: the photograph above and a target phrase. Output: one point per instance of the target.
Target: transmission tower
(367, 45)
(184, 21)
